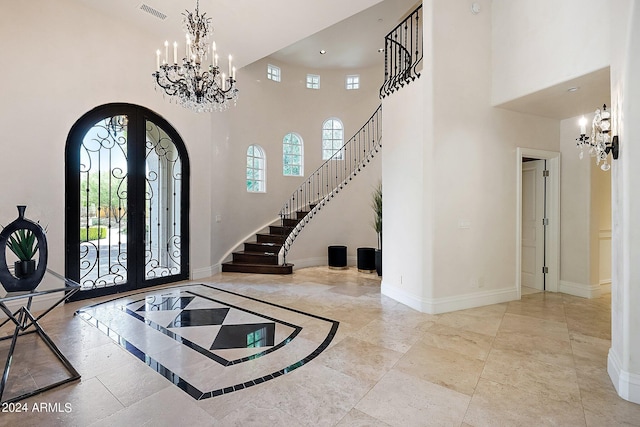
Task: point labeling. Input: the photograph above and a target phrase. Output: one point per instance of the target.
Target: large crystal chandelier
(193, 84)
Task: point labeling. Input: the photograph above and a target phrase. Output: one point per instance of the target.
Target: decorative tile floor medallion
(210, 341)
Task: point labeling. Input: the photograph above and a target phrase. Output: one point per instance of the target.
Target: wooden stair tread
(257, 253)
(249, 257)
(274, 238)
(234, 267)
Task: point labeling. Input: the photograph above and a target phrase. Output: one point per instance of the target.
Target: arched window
(292, 155)
(332, 139)
(256, 169)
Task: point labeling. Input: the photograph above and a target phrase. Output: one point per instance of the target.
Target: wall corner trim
(627, 384)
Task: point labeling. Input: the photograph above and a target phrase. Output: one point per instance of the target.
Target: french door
(127, 201)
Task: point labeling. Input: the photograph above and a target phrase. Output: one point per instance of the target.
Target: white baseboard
(580, 289)
(317, 261)
(605, 286)
(307, 262)
(447, 304)
(627, 384)
(201, 273)
(40, 303)
(402, 296)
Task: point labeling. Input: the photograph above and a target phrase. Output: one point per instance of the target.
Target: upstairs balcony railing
(331, 177)
(403, 53)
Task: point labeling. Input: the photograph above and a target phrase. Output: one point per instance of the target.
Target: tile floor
(538, 361)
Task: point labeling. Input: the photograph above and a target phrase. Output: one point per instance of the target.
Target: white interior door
(532, 226)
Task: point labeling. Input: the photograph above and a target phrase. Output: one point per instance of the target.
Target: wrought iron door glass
(163, 175)
(103, 204)
(127, 201)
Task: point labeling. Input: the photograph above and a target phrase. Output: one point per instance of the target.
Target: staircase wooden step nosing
(262, 247)
(232, 267)
(301, 214)
(270, 238)
(267, 258)
(290, 222)
(279, 229)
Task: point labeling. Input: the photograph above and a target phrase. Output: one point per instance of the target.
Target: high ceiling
(351, 43)
(290, 29)
(294, 32)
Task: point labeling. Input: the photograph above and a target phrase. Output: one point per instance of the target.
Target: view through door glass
(103, 204)
(163, 177)
(127, 201)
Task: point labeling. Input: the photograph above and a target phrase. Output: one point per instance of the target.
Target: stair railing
(403, 53)
(331, 177)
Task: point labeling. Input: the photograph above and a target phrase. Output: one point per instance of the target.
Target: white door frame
(552, 242)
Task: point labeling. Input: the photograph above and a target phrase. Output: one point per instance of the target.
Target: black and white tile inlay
(210, 341)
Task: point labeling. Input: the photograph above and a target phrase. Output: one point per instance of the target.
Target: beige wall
(475, 147)
(537, 44)
(406, 261)
(575, 210)
(90, 64)
(265, 113)
(601, 185)
(624, 355)
(585, 256)
(469, 161)
(61, 60)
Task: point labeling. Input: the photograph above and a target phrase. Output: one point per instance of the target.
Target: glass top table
(23, 322)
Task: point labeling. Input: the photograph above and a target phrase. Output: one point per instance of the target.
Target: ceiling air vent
(152, 11)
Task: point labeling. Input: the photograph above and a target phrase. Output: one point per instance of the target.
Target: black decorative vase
(379, 261)
(28, 273)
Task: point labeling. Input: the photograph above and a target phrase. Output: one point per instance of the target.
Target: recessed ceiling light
(322, 52)
(573, 89)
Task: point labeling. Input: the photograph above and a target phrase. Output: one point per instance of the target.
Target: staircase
(261, 256)
(268, 254)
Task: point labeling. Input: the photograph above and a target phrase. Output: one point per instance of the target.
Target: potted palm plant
(24, 245)
(376, 204)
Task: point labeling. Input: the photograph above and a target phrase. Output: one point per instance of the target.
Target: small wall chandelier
(600, 143)
(193, 84)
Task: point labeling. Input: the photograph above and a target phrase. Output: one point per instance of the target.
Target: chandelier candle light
(600, 143)
(194, 84)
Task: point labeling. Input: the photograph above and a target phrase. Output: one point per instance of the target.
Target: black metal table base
(26, 324)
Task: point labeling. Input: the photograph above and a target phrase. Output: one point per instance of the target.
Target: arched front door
(127, 201)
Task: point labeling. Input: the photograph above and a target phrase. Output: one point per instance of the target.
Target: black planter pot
(24, 269)
(379, 261)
